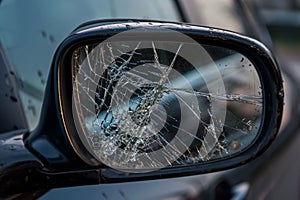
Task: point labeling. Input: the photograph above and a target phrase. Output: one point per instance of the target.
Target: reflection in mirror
(145, 105)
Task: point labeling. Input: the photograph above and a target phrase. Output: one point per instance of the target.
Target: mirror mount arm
(17, 164)
(22, 172)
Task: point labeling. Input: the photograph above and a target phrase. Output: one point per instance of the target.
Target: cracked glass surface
(143, 105)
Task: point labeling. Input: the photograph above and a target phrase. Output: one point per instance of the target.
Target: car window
(31, 30)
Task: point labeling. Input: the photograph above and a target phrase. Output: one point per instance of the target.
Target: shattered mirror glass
(142, 105)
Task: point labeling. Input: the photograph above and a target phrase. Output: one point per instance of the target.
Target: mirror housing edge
(64, 155)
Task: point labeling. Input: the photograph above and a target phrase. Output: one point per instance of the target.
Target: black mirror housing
(64, 152)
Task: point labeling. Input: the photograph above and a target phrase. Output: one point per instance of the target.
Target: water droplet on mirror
(131, 157)
(193, 106)
(109, 148)
(235, 145)
(208, 98)
(39, 73)
(7, 79)
(12, 147)
(281, 93)
(105, 124)
(14, 99)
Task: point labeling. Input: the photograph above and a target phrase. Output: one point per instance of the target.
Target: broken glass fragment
(145, 105)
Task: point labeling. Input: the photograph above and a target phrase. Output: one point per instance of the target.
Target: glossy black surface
(17, 164)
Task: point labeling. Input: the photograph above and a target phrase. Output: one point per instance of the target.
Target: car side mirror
(136, 100)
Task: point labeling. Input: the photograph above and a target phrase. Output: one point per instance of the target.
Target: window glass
(31, 30)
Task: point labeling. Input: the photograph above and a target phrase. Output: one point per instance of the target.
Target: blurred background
(282, 18)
